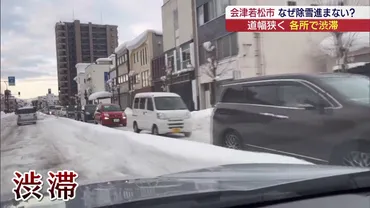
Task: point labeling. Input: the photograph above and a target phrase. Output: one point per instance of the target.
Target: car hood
(242, 177)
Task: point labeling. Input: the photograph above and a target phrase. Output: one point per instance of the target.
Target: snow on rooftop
(136, 42)
(100, 95)
(81, 67)
(103, 60)
(351, 40)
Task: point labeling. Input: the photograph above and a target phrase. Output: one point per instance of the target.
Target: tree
(343, 41)
(211, 69)
(167, 78)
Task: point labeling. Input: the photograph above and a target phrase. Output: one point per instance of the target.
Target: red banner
(298, 25)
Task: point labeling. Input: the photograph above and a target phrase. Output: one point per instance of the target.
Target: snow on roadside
(101, 153)
(96, 151)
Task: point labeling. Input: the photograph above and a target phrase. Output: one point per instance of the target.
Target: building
(80, 43)
(142, 50)
(242, 55)
(123, 78)
(178, 58)
(97, 75)
(80, 79)
(111, 84)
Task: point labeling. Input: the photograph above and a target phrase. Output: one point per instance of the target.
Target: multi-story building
(178, 57)
(123, 79)
(97, 75)
(241, 55)
(9, 104)
(80, 43)
(142, 50)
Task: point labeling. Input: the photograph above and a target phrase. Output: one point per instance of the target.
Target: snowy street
(99, 153)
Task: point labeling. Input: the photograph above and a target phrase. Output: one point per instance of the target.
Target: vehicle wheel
(155, 130)
(136, 128)
(187, 134)
(232, 140)
(354, 154)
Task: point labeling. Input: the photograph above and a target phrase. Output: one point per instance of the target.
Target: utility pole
(196, 52)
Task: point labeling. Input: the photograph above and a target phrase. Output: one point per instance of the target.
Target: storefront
(183, 85)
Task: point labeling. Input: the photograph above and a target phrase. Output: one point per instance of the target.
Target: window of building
(137, 78)
(171, 61)
(178, 61)
(211, 10)
(134, 56)
(291, 3)
(176, 19)
(146, 56)
(185, 56)
(137, 56)
(226, 46)
(145, 78)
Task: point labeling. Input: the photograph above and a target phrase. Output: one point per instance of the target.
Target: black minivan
(322, 118)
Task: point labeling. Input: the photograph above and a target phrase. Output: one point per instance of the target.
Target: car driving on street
(322, 118)
(26, 115)
(110, 115)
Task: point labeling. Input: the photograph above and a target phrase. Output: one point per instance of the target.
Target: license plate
(116, 120)
(176, 130)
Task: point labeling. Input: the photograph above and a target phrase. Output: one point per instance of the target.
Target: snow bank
(128, 111)
(101, 94)
(93, 150)
(100, 153)
(351, 65)
(201, 125)
(136, 42)
(352, 41)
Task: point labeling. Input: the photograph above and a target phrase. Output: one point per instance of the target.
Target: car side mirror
(98, 111)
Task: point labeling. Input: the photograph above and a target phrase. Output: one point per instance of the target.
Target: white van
(26, 115)
(161, 113)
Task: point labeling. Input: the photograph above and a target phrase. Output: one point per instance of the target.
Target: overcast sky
(28, 38)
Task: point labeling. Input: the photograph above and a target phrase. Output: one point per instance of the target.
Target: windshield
(111, 108)
(153, 87)
(354, 88)
(169, 103)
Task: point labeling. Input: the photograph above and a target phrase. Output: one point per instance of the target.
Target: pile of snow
(351, 65)
(351, 40)
(100, 153)
(128, 111)
(101, 94)
(201, 125)
(136, 42)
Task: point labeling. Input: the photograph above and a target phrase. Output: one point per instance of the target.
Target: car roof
(305, 76)
(156, 94)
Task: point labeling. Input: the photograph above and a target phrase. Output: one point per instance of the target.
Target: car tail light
(123, 115)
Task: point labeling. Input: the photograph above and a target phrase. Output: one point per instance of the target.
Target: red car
(110, 115)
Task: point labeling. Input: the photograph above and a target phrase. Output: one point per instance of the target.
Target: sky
(28, 35)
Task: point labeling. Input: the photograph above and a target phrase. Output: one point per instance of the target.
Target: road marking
(288, 153)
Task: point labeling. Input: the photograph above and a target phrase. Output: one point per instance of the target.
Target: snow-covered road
(100, 153)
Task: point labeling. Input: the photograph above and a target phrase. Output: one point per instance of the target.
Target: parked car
(26, 115)
(62, 112)
(323, 118)
(71, 111)
(161, 113)
(77, 113)
(110, 115)
(87, 113)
